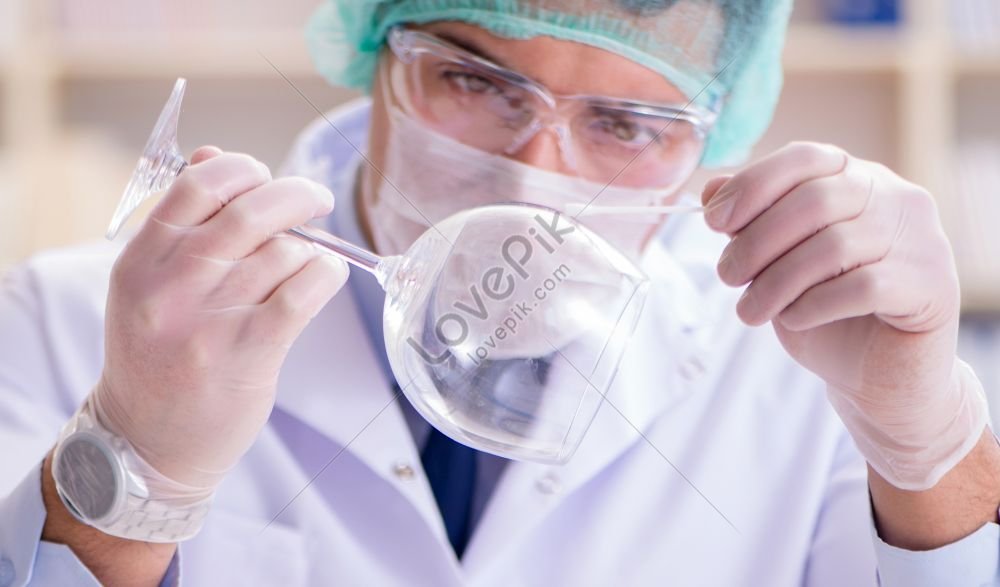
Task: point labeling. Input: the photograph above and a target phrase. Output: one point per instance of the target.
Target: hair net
(711, 50)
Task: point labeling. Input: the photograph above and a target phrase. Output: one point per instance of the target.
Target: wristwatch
(105, 484)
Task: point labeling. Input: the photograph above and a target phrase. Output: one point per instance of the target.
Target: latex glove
(850, 264)
(204, 304)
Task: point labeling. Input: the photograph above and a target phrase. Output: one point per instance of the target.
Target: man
(257, 424)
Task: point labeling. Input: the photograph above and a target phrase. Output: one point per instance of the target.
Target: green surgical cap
(714, 51)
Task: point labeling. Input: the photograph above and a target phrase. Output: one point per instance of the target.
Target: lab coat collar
(333, 383)
(664, 364)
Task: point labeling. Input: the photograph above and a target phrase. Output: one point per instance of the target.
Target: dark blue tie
(451, 470)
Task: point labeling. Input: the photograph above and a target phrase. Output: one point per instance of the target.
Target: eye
(625, 130)
(471, 82)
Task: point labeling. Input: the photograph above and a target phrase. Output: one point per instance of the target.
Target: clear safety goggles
(472, 100)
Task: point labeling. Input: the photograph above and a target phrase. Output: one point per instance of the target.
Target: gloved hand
(205, 302)
(850, 264)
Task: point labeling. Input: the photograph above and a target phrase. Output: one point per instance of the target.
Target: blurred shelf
(979, 300)
(7, 56)
(815, 48)
(810, 49)
(228, 55)
(977, 61)
(824, 48)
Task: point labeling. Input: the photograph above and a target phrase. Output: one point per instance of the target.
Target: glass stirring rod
(576, 210)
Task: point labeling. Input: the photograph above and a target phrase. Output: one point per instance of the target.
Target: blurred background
(914, 84)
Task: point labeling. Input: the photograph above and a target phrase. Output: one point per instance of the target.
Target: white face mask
(430, 176)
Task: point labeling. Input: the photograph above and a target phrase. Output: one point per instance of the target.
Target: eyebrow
(471, 47)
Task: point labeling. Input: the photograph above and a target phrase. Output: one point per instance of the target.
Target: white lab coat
(705, 403)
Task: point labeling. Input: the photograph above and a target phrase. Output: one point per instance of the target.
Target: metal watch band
(154, 521)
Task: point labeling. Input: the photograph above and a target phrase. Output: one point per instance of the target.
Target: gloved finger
(856, 293)
(827, 254)
(297, 301)
(806, 210)
(247, 222)
(252, 280)
(204, 188)
(204, 154)
(712, 186)
(759, 186)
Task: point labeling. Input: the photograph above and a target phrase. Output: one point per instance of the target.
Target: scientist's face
(563, 67)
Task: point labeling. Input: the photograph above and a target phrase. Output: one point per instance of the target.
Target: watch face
(88, 476)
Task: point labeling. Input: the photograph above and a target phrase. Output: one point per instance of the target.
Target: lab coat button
(692, 369)
(6, 572)
(548, 485)
(403, 471)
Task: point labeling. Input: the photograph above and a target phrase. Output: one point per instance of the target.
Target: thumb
(204, 154)
(712, 187)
